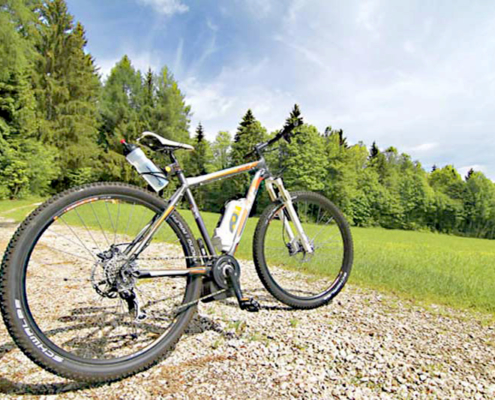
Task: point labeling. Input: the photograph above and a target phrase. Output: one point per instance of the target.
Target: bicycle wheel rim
(78, 349)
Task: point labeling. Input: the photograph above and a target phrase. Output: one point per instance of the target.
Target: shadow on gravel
(199, 324)
(18, 388)
(266, 301)
(39, 389)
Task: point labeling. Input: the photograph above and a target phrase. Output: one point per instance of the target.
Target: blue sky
(417, 75)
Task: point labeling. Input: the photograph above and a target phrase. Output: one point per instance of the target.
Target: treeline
(60, 126)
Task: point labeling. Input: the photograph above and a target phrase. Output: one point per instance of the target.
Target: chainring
(218, 270)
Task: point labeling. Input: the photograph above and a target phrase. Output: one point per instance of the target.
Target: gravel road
(365, 345)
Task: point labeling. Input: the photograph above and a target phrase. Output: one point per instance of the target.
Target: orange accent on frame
(168, 211)
(236, 170)
(197, 270)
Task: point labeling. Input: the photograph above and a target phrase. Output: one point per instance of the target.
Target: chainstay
(185, 306)
(166, 258)
(171, 258)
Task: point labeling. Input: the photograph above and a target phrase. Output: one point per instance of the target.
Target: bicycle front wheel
(69, 297)
(293, 276)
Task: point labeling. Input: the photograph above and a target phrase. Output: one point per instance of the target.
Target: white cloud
(311, 56)
(368, 17)
(293, 11)
(166, 7)
(219, 103)
(211, 25)
(260, 8)
(177, 66)
(208, 100)
(422, 148)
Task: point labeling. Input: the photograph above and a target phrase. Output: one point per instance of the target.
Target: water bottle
(224, 234)
(144, 166)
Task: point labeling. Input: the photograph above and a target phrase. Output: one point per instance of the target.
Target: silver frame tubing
(187, 183)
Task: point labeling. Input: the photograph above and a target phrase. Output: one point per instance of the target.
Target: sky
(416, 75)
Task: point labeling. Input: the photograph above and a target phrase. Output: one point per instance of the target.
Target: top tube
(200, 180)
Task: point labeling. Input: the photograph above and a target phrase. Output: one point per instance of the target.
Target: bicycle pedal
(249, 304)
(141, 316)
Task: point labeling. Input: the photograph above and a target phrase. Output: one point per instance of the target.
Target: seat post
(178, 168)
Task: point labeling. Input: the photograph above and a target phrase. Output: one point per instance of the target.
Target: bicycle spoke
(78, 238)
(87, 229)
(68, 253)
(129, 220)
(117, 223)
(331, 218)
(66, 238)
(99, 224)
(110, 218)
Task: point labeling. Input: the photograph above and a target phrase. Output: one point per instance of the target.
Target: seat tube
(200, 223)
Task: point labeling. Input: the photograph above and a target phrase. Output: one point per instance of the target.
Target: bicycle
(84, 292)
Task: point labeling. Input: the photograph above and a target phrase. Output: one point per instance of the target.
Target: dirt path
(364, 345)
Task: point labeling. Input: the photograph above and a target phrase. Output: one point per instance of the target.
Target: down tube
(251, 196)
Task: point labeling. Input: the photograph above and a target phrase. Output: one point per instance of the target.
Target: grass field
(424, 267)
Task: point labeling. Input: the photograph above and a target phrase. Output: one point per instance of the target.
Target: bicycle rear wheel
(69, 298)
(296, 278)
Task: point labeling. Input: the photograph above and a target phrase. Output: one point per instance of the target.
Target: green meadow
(423, 267)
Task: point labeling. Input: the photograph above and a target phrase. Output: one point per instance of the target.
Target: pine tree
(202, 154)
(172, 115)
(469, 174)
(374, 151)
(26, 167)
(121, 103)
(246, 122)
(67, 89)
(249, 133)
(295, 119)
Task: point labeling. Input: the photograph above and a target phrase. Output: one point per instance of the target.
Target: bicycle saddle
(157, 143)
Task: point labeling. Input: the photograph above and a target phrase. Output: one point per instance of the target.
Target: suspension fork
(289, 207)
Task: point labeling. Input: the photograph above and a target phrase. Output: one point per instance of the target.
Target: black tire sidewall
(20, 323)
(262, 267)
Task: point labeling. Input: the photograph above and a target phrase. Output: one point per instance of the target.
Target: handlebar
(285, 132)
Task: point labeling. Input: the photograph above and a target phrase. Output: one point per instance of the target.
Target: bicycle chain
(185, 306)
(178, 309)
(165, 258)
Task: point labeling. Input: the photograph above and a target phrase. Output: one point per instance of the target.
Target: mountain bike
(100, 281)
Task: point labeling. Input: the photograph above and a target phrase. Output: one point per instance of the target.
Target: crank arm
(170, 273)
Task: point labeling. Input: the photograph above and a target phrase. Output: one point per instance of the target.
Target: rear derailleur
(112, 276)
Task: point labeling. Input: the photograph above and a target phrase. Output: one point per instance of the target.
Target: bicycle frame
(262, 173)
